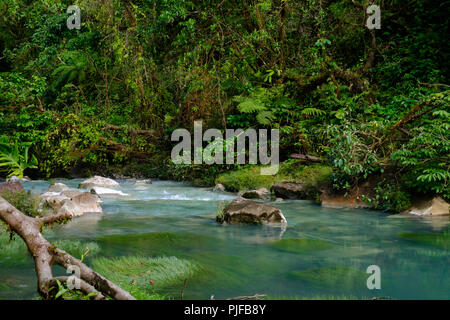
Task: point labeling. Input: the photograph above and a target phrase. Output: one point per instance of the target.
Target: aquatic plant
(439, 240)
(302, 245)
(342, 277)
(14, 252)
(147, 278)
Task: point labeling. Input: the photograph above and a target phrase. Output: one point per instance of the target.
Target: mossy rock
(249, 177)
(340, 277)
(147, 278)
(438, 240)
(302, 245)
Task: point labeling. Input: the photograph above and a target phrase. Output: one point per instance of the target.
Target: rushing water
(242, 259)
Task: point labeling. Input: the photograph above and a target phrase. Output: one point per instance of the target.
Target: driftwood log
(45, 255)
(306, 157)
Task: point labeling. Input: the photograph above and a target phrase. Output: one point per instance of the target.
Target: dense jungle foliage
(108, 96)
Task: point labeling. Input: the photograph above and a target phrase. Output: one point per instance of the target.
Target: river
(243, 259)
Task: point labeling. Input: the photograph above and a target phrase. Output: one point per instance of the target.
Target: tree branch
(45, 254)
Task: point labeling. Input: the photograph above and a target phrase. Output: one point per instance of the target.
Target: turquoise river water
(243, 258)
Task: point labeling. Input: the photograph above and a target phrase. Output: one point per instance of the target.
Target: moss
(303, 245)
(249, 177)
(439, 240)
(341, 277)
(147, 278)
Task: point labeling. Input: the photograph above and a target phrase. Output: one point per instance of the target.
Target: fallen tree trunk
(306, 157)
(45, 255)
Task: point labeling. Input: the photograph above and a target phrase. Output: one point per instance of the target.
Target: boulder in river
(108, 192)
(98, 181)
(71, 193)
(219, 187)
(143, 181)
(11, 186)
(288, 190)
(261, 193)
(81, 204)
(55, 201)
(429, 207)
(57, 187)
(242, 211)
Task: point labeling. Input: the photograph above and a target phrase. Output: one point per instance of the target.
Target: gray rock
(13, 179)
(81, 204)
(261, 193)
(288, 190)
(11, 186)
(242, 211)
(55, 201)
(57, 187)
(71, 193)
(429, 207)
(219, 187)
(98, 181)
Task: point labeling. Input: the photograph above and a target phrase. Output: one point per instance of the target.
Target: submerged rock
(57, 187)
(261, 193)
(11, 186)
(429, 207)
(288, 190)
(98, 181)
(250, 212)
(108, 192)
(81, 204)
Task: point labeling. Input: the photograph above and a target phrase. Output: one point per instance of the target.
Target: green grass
(439, 240)
(249, 177)
(303, 245)
(147, 278)
(24, 201)
(333, 277)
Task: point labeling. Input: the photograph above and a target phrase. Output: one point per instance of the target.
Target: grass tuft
(147, 278)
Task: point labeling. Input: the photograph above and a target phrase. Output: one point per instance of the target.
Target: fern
(313, 112)
(15, 161)
(256, 103)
